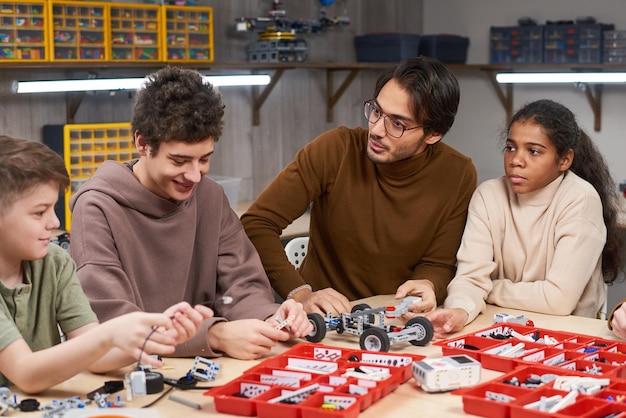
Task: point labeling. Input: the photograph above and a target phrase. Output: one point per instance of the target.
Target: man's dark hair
(433, 88)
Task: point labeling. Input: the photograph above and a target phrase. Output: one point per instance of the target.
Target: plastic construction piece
(284, 324)
(447, 373)
(519, 319)
(369, 325)
(368, 373)
(28, 405)
(110, 386)
(314, 381)
(209, 370)
(5, 400)
(295, 396)
(58, 408)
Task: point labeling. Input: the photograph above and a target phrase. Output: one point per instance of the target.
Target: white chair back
(296, 249)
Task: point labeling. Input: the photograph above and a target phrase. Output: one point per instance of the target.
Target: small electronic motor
(446, 373)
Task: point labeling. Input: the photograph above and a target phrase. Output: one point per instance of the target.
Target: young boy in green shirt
(40, 293)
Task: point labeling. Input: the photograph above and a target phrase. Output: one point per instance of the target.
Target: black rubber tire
(360, 307)
(374, 339)
(364, 307)
(319, 328)
(426, 330)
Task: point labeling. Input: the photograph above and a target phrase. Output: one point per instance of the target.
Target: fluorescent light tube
(239, 80)
(601, 78)
(113, 84)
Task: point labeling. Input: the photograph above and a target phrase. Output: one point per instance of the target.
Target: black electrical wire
(161, 396)
(186, 382)
(143, 347)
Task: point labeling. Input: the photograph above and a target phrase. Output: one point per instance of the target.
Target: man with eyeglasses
(388, 204)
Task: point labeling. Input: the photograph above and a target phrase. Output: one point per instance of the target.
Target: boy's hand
(245, 339)
(298, 323)
(187, 320)
(140, 334)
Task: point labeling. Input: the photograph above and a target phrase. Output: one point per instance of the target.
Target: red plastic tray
(471, 345)
(491, 359)
(476, 401)
(336, 394)
(571, 355)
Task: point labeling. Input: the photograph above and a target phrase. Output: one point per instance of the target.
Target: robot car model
(369, 324)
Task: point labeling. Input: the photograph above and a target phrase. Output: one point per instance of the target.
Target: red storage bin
(324, 369)
(477, 399)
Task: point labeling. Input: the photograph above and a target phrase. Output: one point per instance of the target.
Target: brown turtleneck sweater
(373, 226)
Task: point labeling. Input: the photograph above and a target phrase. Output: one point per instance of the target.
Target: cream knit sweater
(540, 251)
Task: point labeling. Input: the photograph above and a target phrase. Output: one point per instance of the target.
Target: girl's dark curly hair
(176, 104)
(560, 126)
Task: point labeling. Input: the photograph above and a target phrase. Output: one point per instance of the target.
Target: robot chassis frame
(369, 324)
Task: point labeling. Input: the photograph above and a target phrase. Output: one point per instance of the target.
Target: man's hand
(447, 321)
(322, 301)
(421, 288)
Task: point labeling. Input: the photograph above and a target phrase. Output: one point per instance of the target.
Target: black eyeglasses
(393, 127)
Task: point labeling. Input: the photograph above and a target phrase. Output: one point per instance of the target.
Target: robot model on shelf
(278, 39)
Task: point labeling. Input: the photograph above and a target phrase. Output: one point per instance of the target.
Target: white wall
(481, 117)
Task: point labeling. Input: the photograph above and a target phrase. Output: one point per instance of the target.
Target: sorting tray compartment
(534, 374)
(492, 359)
(476, 401)
(314, 381)
(472, 345)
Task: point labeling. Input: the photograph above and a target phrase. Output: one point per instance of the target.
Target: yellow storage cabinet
(23, 33)
(135, 32)
(188, 32)
(87, 146)
(79, 31)
(84, 148)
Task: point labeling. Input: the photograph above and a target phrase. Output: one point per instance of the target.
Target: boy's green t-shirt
(51, 297)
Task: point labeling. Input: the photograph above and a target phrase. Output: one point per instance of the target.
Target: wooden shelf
(333, 92)
(593, 92)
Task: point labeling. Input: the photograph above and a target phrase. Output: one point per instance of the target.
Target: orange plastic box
(314, 381)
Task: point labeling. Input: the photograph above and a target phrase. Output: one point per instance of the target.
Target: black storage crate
(577, 43)
(451, 49)
(516, 45)
(386, 47)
